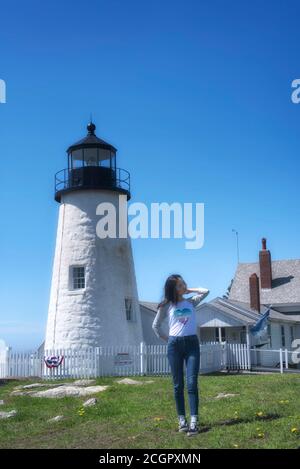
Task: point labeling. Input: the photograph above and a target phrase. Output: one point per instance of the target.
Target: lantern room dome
(91, 141)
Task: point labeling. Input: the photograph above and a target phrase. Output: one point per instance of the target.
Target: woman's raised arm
(201, 293)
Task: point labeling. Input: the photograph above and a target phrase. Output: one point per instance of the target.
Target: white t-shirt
(182, 319)
(182, 316)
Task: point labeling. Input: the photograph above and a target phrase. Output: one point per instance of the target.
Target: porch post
(281, 360)
(286, 358)
(220, 335)
(248, 347)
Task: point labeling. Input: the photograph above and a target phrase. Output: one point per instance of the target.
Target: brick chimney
(265, 266)
(254, 292)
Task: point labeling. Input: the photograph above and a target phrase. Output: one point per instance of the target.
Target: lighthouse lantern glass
(76, 158)
(94, 156)
(90, 156)
(107, 158)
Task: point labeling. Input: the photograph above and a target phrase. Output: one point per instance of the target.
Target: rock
(56, 419)
(78, 382)
(8, 415)
(34, 385)
(21, 393)
(83, 382)
(39, 385)
(28, 389)
(69, 390)
(90, 402)
(222, 395)
(133, 381)
(1, 402)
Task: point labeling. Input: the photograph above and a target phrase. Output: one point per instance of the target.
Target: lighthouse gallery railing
(93, 176)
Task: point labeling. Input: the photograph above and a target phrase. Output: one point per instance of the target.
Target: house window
(128, 308)
(78, 277)
(270, 335)
(282, 336)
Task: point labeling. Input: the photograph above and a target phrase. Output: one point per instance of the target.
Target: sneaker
(183, 426)
(193, 429)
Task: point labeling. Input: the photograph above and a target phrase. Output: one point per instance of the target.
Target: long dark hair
(170, 291)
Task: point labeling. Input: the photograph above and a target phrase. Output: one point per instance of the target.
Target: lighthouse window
(78, 278)
(128, 308)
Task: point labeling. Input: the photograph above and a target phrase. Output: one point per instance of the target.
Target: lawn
(264, 413)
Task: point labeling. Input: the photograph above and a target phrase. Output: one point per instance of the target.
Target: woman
(183, 344)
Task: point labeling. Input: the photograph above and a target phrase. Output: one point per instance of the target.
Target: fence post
(248, 348)
(286, 359)
(4, 362)
(281, 360)
(225, 355)
(142, 349)
(7, 363)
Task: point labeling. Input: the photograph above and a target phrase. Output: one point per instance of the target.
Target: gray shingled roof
(291, 317)
(149, 304)
(285, 283)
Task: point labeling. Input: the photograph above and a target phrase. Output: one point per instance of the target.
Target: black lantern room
(91, 165)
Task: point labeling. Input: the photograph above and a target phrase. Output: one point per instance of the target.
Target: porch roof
(275, 315)
(220, 312)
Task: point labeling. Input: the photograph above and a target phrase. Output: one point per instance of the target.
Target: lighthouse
(93, 295)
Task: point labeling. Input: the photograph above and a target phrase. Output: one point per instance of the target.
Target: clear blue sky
(196, 97)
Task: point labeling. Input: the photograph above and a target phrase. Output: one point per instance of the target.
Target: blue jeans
(180, 349)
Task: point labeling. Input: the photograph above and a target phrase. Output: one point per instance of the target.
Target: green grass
(128, 416)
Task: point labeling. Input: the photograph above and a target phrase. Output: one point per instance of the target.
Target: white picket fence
(130, 360)
(280, 360)
(237, 356)
(133, 360)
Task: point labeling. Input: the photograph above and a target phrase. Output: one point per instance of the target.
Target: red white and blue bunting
(53, 361)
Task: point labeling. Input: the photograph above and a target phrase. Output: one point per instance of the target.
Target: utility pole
(237, 244)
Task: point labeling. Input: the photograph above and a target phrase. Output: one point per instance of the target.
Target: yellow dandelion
(259, 414)
(294, 430)
(158, 418)
(261, 435)
(235, 445)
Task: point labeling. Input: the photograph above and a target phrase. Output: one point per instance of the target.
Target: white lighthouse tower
(93, 298)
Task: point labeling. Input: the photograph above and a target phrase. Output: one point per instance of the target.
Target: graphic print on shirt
(183, 314)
